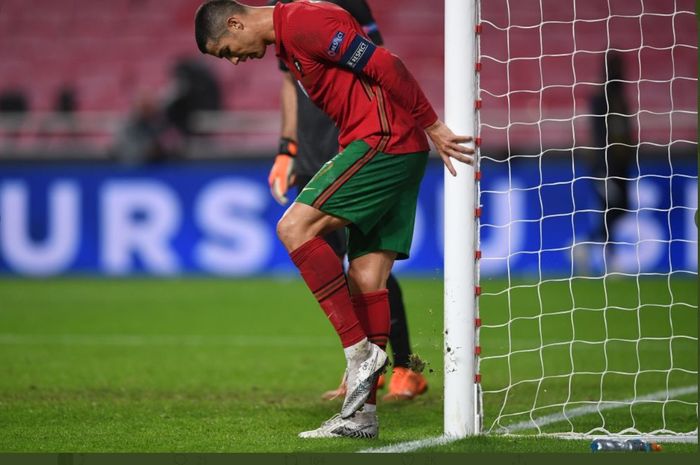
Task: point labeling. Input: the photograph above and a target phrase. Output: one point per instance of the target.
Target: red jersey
(365, 89)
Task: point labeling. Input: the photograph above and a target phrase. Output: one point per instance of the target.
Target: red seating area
(109, 50)
(113, 51)
(566, 56)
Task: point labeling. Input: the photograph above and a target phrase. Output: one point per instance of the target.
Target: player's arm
(288, 102)
(382, 66)
(331, 37)
(281, 175)
(448, 145)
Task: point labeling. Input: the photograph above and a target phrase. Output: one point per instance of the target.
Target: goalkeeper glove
(281, 176)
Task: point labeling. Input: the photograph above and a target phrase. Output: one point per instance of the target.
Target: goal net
(587, 116)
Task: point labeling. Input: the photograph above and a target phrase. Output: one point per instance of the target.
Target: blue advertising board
(219, 219)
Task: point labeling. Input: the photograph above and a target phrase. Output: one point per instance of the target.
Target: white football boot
(363, 370)
(362, 425)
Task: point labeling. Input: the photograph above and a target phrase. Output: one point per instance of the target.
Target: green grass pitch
(213, 365)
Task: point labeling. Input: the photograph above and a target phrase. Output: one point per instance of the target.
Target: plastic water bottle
(628, 445)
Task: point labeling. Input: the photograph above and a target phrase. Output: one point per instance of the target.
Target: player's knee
(291, 232)
(362, 280)
(284, 229)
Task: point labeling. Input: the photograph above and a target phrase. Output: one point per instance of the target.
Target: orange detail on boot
(405, 384)
(381, 381)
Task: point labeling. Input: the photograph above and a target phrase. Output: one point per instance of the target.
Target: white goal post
(460, 231)
(571, 301)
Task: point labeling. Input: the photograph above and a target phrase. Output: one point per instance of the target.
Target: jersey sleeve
(332, 36)
(389, 71)
(335, 37)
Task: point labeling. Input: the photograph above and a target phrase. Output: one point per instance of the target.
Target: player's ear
(234, 23)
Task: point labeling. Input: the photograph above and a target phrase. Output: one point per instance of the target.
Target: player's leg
(337, 240)
(398, 338)
(367, 278)
(367, 192)
(300, 231)
(405, 383)
(301, 223)
(620, 159)
(372, 253)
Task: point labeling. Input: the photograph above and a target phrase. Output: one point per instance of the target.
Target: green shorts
(376, 192)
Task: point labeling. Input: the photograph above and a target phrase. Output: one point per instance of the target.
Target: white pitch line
(412, 446)
(607, 405)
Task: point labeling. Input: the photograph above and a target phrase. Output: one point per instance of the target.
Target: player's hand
(448, 145)
(281, 174)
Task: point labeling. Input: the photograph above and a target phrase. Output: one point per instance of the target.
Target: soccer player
(370, 187)
(612, 125)
(309, 138)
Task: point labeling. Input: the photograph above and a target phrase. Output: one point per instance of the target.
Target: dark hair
(210, 20)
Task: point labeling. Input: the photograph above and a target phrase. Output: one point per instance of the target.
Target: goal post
(571, 270)
(461, 397)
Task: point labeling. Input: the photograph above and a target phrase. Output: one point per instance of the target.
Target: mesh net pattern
(588, 122)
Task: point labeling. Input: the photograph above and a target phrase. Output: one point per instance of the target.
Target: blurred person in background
(13, 101)
(66, 102)
(613, 161)
(158, 130)
(194, 89)
(371, 186)
(309, 139)
(14, 107)
(141, 140)
(61, 125)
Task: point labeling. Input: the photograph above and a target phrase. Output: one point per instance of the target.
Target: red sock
(321, 269)
(372, 309)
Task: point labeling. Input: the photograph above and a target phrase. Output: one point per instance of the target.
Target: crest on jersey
(335, 43)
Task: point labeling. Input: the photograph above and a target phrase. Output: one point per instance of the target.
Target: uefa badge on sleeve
(335, 43)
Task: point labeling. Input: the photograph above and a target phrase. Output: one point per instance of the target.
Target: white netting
(588, 239)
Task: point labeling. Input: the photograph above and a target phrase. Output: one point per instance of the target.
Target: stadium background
(97, 67)
(80, 81)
